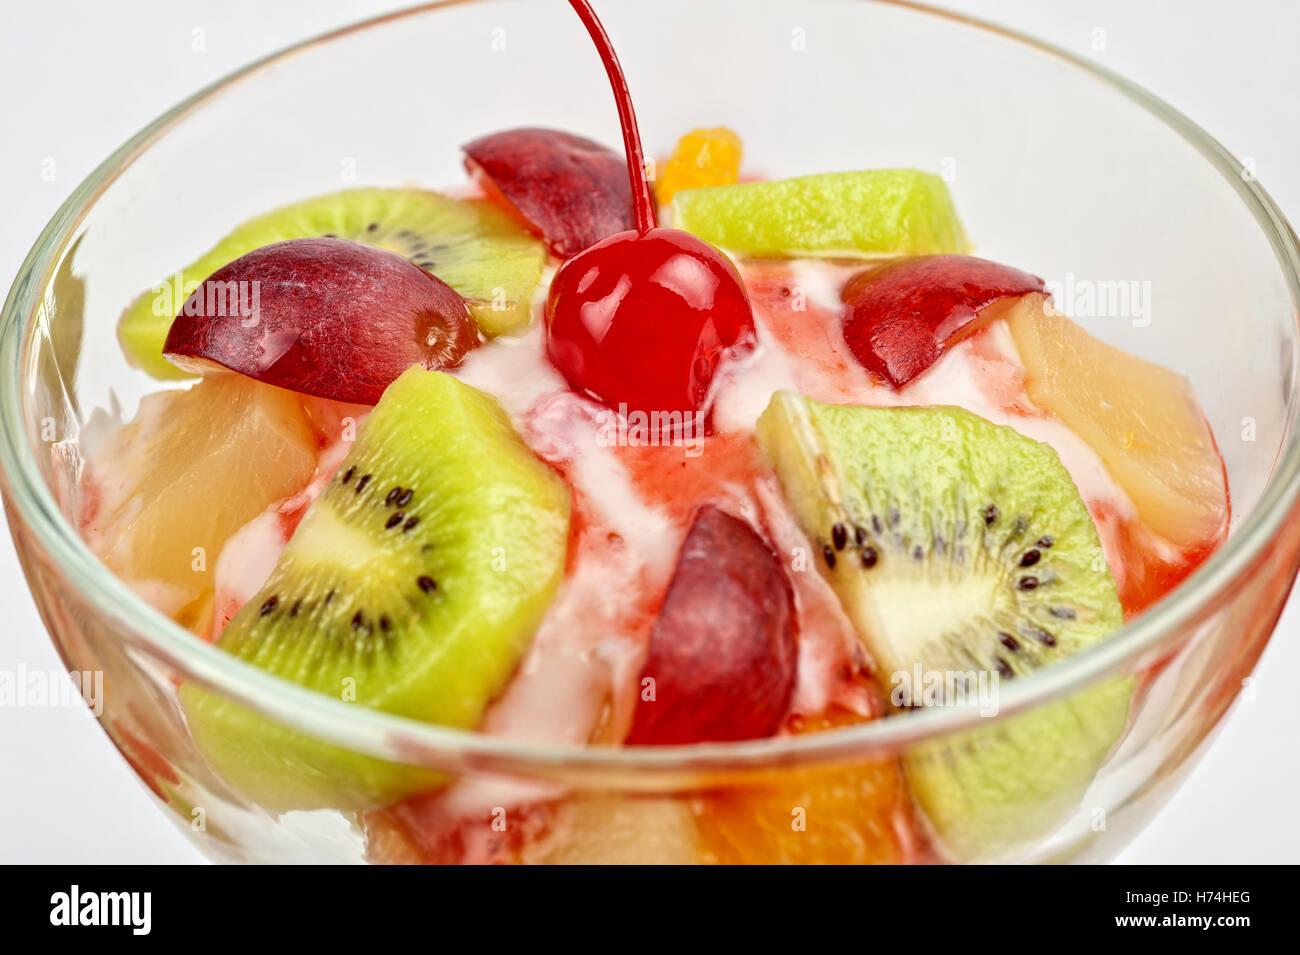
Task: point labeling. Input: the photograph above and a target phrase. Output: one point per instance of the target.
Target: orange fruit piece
(703, 157)
(1141, 419)
(845, 814)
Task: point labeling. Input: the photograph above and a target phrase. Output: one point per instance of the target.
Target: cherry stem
(642, 202)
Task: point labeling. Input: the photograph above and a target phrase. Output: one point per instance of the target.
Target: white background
(77, 79)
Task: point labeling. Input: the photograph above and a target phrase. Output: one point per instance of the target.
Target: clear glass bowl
(1057, 167)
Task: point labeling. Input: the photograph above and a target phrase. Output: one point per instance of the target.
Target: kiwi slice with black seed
(470, 244)
(961, 549)
(413, 585)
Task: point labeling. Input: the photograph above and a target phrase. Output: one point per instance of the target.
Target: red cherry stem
(642, 202)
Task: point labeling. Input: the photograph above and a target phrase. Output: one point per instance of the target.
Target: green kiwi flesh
(963, 548)
(413, 585)
(470, 244)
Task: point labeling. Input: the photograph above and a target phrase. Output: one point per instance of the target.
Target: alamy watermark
(651, 429)
(919, 687)
(1127, 299)
(131, 910)
(52, 688)
(209, 299)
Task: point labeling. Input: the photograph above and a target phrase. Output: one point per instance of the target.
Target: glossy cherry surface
(643, 318)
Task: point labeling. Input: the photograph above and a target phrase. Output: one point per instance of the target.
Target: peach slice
(845, 814)
(1141, 419)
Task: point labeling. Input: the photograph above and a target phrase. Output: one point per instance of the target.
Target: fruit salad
(567, 456)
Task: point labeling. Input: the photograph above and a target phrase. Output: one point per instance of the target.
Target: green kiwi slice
(961, 549)
(413, 585)
(470, 244)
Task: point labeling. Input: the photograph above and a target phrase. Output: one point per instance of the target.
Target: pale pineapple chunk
(193, 467)
(616, 830)
(1141, 419)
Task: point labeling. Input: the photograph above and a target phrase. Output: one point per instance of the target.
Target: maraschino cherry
(642, 318)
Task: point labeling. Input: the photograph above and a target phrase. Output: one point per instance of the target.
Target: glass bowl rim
(394, 737)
